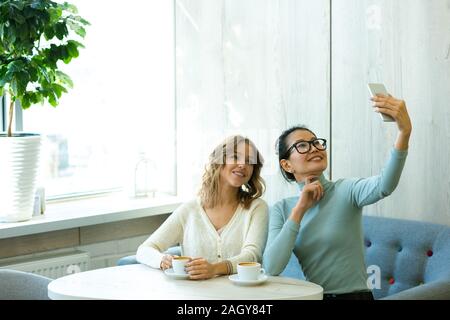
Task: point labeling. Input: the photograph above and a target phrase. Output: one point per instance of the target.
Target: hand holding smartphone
(374, 89)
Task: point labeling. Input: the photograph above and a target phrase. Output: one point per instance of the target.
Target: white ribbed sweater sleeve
(169, 234)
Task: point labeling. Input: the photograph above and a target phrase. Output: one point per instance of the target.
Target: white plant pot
(19, 163)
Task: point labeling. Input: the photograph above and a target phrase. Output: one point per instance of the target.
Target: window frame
(18, 126)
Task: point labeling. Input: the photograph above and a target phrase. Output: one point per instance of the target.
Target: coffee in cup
(179, 264)
(249, 270)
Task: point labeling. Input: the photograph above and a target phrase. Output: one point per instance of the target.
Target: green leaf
(3, 71)
(52, 99)
(77, 27)
(79, 20)
(67, 60)
(64, 79)
(69, 7)
(58, 89)
(61, 30)
(24, 33)
(81, 32)
(18, 5)
(64, 53)
(36, 97)
(56, 53)
(5, 76)
(49, 33)
(42, 73)
(85, 22)
(20, 82)
(25, 102)
(15, 66)
(32, 71)
(10, 35)
(55, 14)
(19, 18)
(72, 48)
(78, 44)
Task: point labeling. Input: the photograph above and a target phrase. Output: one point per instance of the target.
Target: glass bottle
(142, 171)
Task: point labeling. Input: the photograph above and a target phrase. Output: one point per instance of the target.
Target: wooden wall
(253, 67)
(256, 67)
(405, 45)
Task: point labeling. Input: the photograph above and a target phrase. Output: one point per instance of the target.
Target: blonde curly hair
(209, 191)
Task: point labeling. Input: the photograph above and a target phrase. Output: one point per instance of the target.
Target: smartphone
(375, 88)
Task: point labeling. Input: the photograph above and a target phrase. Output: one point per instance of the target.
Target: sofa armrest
(127, 260)
(174, 251)
(437, 290)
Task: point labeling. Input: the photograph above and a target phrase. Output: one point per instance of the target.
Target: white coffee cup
(179, 264)
(249, 270)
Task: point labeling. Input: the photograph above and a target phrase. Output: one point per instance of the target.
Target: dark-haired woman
(225, 225)
(322, 226)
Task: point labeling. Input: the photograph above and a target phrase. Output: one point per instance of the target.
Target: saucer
(171, 274)
(235, 279)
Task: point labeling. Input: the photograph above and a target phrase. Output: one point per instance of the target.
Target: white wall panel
(253, 67)
(405, 45)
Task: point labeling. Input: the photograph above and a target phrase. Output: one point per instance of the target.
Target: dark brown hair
(282, 148)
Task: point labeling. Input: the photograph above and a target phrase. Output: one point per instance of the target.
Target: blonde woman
(227, 222)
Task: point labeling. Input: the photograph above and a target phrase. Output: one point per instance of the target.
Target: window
(121, 109)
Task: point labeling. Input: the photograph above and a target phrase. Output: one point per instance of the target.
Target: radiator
(53, 266)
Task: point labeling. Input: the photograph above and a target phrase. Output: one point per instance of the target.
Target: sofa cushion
(408, 253)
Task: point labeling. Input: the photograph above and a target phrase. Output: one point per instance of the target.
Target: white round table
(140, 282)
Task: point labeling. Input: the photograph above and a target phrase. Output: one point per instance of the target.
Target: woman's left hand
(200, 268)
(396, 109)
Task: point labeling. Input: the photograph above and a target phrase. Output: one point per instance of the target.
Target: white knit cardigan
(243, 238)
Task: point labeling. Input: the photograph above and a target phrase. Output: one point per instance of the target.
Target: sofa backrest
(408, 253)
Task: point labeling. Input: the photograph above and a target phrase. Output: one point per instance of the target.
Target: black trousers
(363, 295)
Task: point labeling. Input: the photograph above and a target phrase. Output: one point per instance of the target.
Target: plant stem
(11, 110)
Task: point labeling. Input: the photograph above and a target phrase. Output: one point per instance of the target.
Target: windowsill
(85, 212)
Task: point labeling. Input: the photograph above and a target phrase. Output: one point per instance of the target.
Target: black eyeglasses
(303, 146)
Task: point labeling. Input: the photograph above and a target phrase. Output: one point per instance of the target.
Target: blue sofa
(413, 258)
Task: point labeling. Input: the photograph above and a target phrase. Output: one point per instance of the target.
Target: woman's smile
(240, 174)
(316, 158)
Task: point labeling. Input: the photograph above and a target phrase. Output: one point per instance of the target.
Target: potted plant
(35, 37)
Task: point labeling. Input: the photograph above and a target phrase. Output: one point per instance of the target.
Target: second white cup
(249, 271)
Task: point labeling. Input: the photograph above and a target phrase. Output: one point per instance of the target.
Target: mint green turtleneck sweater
(329, 240)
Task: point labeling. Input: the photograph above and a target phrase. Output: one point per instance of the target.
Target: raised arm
(370, 190)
